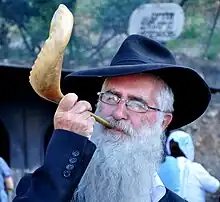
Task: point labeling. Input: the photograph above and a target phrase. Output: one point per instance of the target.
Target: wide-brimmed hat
(139, 54)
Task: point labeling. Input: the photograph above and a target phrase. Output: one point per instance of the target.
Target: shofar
(46, 72)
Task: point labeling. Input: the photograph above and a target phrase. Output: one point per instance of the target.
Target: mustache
(121, 125)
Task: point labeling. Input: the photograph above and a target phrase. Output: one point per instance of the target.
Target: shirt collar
(158, 190)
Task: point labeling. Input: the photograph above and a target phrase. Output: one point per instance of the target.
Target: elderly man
(142, 93)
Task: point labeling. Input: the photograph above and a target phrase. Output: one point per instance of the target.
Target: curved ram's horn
(46, 72)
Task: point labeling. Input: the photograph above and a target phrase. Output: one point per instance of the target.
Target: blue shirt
(169, 173)
(5, 172)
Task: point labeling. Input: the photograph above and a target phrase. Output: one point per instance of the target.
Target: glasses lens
(136, 106)
(109, 98)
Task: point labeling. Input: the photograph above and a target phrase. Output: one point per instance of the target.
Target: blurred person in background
(194, 180)
(169, 171)
(6, 182)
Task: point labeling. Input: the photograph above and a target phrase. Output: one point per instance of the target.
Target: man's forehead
(135, 81)
(144, 86)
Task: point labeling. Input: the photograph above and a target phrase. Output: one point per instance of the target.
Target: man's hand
(73, 115)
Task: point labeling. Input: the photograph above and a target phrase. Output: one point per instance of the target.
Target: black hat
(139, 54)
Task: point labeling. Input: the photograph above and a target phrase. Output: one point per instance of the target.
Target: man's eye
(136, 105)
(109, 95)
(111, 98)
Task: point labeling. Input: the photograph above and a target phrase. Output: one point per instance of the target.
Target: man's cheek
(136, 124)
(106, 112)
(150, 119)
(104, 109)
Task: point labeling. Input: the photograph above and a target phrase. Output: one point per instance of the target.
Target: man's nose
(120, 112)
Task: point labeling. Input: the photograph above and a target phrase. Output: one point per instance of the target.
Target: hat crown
(137, 49)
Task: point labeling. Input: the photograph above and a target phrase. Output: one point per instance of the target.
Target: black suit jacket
(66, 160)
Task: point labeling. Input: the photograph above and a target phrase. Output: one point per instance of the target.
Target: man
(144, 92)
(6, 181)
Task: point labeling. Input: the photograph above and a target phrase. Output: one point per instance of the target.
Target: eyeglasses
(132, 104)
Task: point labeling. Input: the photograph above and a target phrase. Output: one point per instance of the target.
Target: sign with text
(162, 21)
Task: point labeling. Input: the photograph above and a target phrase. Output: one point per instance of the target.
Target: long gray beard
(122, 167)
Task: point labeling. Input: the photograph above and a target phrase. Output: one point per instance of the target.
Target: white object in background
(162, 21)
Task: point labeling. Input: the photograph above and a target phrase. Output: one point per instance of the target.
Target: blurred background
(190, 28)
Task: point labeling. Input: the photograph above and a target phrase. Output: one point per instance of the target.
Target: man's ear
(166, 120)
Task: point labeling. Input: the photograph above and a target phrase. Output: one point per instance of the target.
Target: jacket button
(66, 173)
(70, 167)
(75, 153)
(72, 160)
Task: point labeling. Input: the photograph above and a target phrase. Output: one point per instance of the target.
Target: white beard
(122, 167)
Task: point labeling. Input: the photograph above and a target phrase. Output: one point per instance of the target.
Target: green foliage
(97, 23)
(199, 18)
(193, 26)
(24, 26)
(193, 32)
(213, 52)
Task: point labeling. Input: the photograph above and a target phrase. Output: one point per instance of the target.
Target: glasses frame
(100, 94)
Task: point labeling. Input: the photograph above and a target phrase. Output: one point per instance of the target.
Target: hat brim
(191, 93)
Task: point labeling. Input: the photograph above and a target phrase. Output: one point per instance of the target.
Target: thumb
(67, 102)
